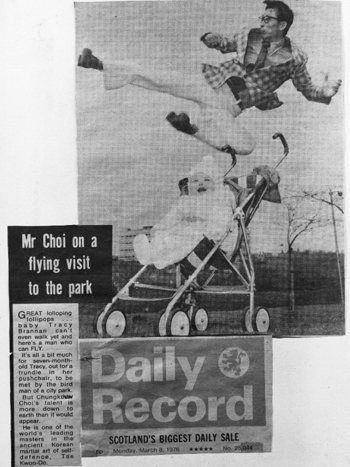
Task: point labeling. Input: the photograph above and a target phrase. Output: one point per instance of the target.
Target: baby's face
(200, 183)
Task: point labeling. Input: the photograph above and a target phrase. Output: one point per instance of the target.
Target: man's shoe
(87, 60)
(182, 123)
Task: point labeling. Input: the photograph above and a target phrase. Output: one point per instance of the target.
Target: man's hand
(330, 88)
(211, 40)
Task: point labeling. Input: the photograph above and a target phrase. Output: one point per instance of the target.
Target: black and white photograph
(210, 135)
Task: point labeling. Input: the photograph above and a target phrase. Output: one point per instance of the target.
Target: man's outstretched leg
(216, 128)
(191, 87)
(215, 125)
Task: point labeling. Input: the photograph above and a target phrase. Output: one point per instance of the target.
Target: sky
(130, 159)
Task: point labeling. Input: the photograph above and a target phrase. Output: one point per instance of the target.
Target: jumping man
(266, 58)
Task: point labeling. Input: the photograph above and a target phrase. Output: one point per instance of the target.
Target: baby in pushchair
(207, 230)
(206, 212)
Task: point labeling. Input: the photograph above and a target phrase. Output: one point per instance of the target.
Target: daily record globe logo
(233, 362)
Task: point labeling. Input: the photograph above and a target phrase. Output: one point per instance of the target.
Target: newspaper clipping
(210, 221)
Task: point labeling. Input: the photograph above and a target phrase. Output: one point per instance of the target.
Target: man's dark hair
(284, 13)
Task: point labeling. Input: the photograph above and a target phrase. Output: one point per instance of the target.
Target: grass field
(317, 312)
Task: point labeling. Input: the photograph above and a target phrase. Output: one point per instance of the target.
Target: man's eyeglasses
(266, 19)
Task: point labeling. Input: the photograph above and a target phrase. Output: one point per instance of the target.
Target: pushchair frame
(181, 313)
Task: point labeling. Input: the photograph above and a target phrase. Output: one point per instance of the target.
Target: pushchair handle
(283, 140)
(285, 146)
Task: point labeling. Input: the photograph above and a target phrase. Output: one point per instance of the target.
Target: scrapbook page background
(39, 187)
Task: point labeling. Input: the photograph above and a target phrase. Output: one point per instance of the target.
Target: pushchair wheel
(98, 322)
(246, 320)
(261, 320)
(115, 323)
(199, 319)
(177, 324)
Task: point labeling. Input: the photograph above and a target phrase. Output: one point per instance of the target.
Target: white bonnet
(207, 166)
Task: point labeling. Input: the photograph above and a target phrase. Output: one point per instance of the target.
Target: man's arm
(216, 41)
(303, 83)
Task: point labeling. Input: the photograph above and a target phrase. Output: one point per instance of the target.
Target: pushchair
(177, 308)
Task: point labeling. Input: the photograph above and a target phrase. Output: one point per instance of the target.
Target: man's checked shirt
(262, 83)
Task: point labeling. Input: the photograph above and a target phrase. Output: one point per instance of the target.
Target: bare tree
(334, 198)
(303, 215)
(330, 196)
